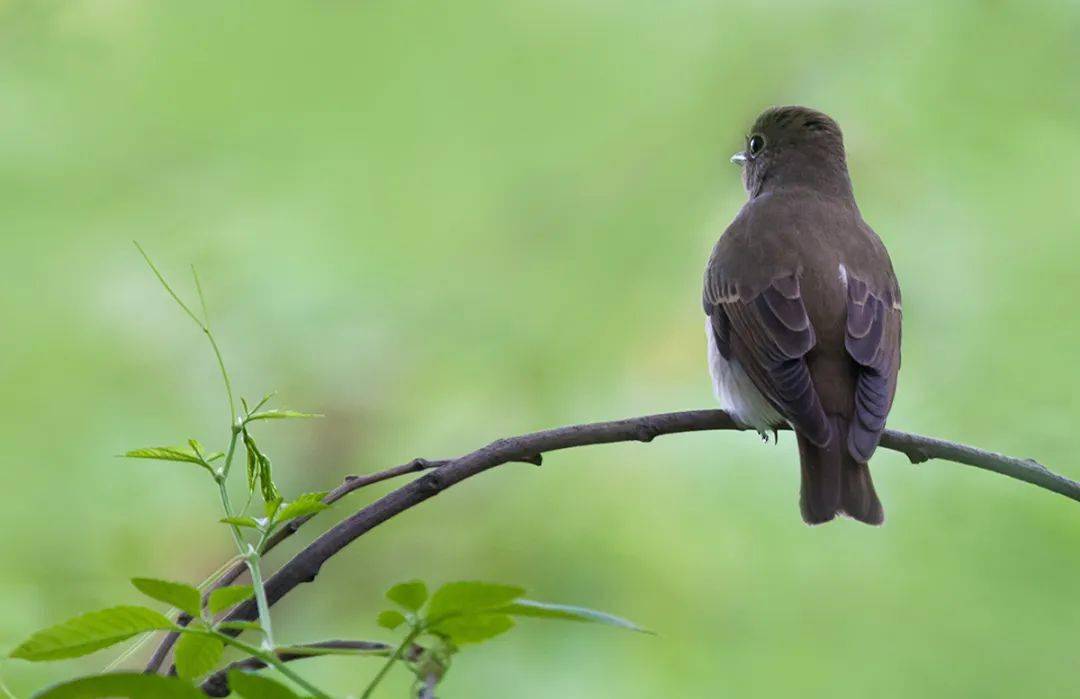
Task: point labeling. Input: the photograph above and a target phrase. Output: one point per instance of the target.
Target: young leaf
(474, 628)
(280, 415)
(271, 508)
(470, 596)
(306, 504)
(166, 454)
(252, 461)
(197, 655)
(184, 597)
(261, 403)
(90, 632)
(390, 619)
(411, 595)
(259, 470)
(227, 597)
(252, 686)
(266, 480)
(249, 522)
(133, 685)
(544, 610)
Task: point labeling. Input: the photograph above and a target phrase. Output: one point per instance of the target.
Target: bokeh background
(442, 223)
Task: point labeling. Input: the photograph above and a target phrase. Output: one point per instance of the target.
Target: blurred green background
(442, 223)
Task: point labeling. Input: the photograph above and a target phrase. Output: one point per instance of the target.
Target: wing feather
(872, 339)
(769, 334)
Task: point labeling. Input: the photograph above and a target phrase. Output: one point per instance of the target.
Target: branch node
(645, 433)
(917, 455)
(534, 459)
(432, 483)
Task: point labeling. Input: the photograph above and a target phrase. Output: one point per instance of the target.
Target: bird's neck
(826, 175)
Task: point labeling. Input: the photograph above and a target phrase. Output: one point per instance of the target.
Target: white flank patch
(736, 392)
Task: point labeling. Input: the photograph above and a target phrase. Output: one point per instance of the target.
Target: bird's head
(794, 146)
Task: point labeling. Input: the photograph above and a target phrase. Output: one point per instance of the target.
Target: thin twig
(217, 684)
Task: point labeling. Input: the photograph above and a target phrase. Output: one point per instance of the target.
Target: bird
(803, 312)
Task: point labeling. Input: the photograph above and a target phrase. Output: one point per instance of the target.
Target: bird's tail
(834, 482)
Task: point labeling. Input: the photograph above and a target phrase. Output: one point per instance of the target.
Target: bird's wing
(872, 338)
(768, 332)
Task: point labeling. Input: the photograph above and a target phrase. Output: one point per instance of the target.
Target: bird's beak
(739, 158)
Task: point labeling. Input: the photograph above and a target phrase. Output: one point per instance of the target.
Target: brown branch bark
(306, 564)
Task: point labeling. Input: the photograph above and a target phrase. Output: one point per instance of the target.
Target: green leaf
(166, 454)
(390, 619)
(184, 597)
(271, 507)
(545, 610)
(132, 685)
(259, 470)
(470, 596)
(266, 480)
(90, 632)
(411, 594)
(252, 462)
(474, 628)
(197, 655)
(261, 403)
(227, 597)
(252, 686)
(280, 415)
(249, 522)
(306, 504)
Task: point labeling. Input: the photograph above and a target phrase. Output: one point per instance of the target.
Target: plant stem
(205, 325)
(269, 657)
(230, 453)
(416, 631)
(251, 559)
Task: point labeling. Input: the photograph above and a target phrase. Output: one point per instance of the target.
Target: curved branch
(306, 564)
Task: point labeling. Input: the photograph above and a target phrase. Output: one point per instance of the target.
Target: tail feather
(834, 482)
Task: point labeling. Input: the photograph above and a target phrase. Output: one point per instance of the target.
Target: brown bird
(804, 311)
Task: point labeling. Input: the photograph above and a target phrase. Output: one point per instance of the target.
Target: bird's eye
(757, 142)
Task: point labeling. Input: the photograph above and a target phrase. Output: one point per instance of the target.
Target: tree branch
(306, 564)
